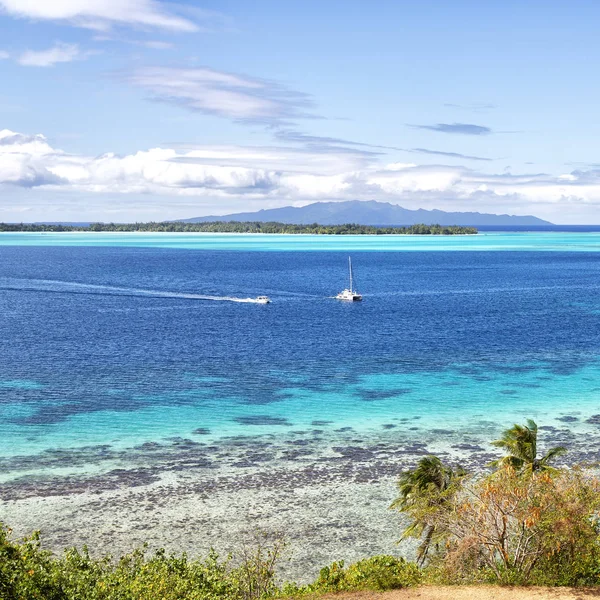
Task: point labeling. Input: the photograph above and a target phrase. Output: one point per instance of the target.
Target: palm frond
(552, 454)
(532, 426)
(520, 444)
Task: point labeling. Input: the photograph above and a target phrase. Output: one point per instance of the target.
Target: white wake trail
(66, 286)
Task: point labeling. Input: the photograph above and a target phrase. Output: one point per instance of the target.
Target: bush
(258, 558)
(516, 527)
(382, 573)
(540, 528)
(331, 578)
(27, 572)
(376, 573)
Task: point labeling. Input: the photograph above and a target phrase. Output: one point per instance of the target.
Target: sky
(137, 110)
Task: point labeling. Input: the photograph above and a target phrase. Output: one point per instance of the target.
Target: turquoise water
(115, 348)
(539, 241)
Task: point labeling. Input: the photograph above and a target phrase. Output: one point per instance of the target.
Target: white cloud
(59, 53)
(416, 179)
(242, 177)
(4, 55)
(399, 166)
(24, 159)
(101, 15)
(152, 44)
(237, 97)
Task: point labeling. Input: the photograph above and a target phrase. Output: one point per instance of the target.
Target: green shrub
(376, 573)
(27, 572)
(331, 578)
(382, 573)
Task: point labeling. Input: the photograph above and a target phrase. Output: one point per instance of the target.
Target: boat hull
(349, 297)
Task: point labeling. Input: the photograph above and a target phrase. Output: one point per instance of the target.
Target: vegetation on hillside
(27, 572)
(525, 522)
(244, 227)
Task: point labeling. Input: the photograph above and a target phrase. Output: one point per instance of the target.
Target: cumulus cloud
(24, 160)
(59, 53)
(195, 171)
(101, 15)
(238, 176)
(456, 128)
(237, 97)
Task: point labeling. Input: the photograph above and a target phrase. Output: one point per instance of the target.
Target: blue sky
(148, 109)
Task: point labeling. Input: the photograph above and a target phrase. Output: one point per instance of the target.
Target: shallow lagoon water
(588, 241)
(117, 370)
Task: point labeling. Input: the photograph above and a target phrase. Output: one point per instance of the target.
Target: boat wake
(71, 287)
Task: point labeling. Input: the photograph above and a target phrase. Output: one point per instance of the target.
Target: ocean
(130, 364)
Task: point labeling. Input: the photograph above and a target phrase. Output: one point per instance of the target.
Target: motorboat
(263, 300)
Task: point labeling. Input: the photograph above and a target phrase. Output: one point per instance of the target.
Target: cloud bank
(237, 177)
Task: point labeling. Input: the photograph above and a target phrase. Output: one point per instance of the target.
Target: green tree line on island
(244, 227)
(523, 521)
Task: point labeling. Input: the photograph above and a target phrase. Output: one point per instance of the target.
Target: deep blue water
(108, 346)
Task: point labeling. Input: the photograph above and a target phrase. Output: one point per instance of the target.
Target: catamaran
(349, 294)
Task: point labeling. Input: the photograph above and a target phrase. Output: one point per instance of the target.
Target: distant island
(242, 227)
(371, 213)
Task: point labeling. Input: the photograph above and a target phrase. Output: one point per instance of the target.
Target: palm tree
(427, 486)
(520, 443)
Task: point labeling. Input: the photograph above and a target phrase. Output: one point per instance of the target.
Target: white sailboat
(349, 294)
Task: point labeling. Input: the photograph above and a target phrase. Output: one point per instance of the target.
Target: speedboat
(349, 294)
(263, 300)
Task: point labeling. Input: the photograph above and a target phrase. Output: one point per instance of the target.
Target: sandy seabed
(322, 522)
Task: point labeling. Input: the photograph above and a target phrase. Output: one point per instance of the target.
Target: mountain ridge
(370, 212)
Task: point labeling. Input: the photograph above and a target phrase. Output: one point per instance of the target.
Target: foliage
(520, 529)
(27, 572)
(258, 559)
(526, 522)
(520, 443)
(511, 529)
(243, 227)
(430, 485)
(376, 573)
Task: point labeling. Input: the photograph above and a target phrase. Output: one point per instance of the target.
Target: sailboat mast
(350, 266)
